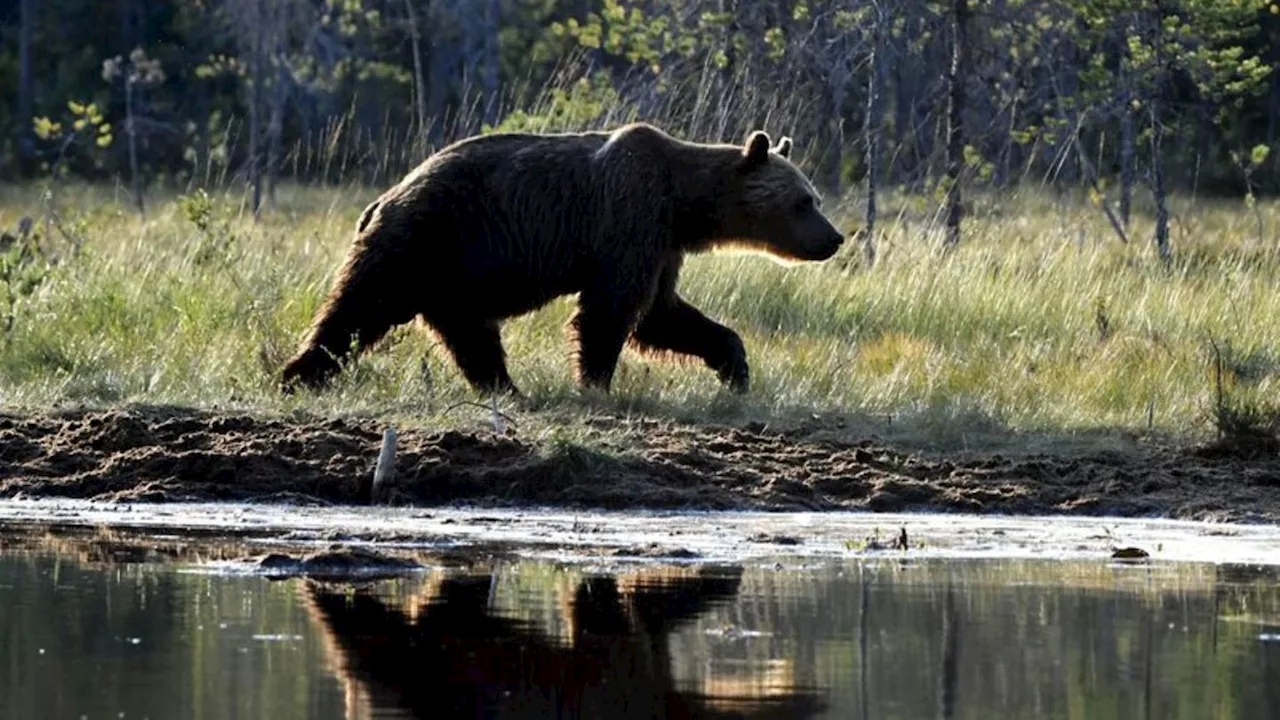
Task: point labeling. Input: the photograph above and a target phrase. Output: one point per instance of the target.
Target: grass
(1041, 322)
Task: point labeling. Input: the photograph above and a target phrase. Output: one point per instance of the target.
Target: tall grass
(1040, 321)
(715, 107)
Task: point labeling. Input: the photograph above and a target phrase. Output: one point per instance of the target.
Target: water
(115, 635)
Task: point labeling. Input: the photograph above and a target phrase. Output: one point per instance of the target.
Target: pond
(103, 628)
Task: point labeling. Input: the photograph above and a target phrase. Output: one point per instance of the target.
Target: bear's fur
(496, 226)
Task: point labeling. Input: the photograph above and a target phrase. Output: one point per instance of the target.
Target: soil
(161, 454)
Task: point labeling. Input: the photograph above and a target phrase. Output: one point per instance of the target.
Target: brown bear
(496, 226)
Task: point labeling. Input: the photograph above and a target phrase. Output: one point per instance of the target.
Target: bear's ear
(784, 147)
(756, 151)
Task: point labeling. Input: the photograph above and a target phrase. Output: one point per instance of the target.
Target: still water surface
(838, 638)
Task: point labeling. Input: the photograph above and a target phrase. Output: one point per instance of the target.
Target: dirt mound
(167, 454)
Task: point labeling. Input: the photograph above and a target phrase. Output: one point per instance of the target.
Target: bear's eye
(805, 204)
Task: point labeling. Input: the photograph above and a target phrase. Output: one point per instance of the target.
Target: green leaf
(1259, 154)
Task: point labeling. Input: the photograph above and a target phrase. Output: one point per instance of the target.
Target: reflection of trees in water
(1014, 638)
(448, 653)
(50, 629)
(1237, 602)
(93, 633)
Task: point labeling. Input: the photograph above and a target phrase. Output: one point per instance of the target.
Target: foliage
(138, 69)
(217, 240)
(336, 76)
(82, 123)
(23, 269)
(577, 107)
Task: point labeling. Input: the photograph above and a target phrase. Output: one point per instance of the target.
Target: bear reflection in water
(451, 656)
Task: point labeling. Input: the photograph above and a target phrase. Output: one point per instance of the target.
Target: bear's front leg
(678, 327)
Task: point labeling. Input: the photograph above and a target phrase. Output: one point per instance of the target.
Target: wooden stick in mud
(384, 473)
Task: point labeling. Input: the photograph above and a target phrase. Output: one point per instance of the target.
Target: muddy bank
(287, 540)
(166, 455)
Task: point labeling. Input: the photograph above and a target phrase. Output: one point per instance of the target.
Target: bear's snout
(826, 247)
(833, 244)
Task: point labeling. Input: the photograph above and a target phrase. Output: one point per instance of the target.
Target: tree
(253, 16)
(1065, 93)
(419, 81)
(1161, 59)
(26, 84)
(135, 72)
(955, 118)
(874, 124)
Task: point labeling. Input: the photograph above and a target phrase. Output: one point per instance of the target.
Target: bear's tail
(367, 299)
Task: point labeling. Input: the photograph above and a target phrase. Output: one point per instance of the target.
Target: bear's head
(772, 207)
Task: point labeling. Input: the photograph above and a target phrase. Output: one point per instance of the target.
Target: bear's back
(503, 153)
(517, 212)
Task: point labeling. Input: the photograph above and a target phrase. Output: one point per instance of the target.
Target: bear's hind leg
(477, 350)
(601, 327)
(676, 326)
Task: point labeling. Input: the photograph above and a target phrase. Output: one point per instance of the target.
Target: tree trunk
(419, 82)
(203, 139)
(1128, 153)
(493, 61)
(255, 108)
(925, 124)
(276, 24)
(1157, 136)
(955, 113)
(950, 655)
(1008, 156)
(864, 659)
(1273, 104)
(898, 159)
(131, 133)
(131, 26)
(26, 86)
(1067, 86)
(1157, 185)
(275, 129)
(441, 67)
(874, 125)
(835, 139)
(1128, 121)
(472, 28)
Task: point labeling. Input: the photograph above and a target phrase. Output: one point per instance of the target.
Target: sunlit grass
(1041, 321)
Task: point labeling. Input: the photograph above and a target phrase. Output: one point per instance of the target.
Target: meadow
(1042, 323)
